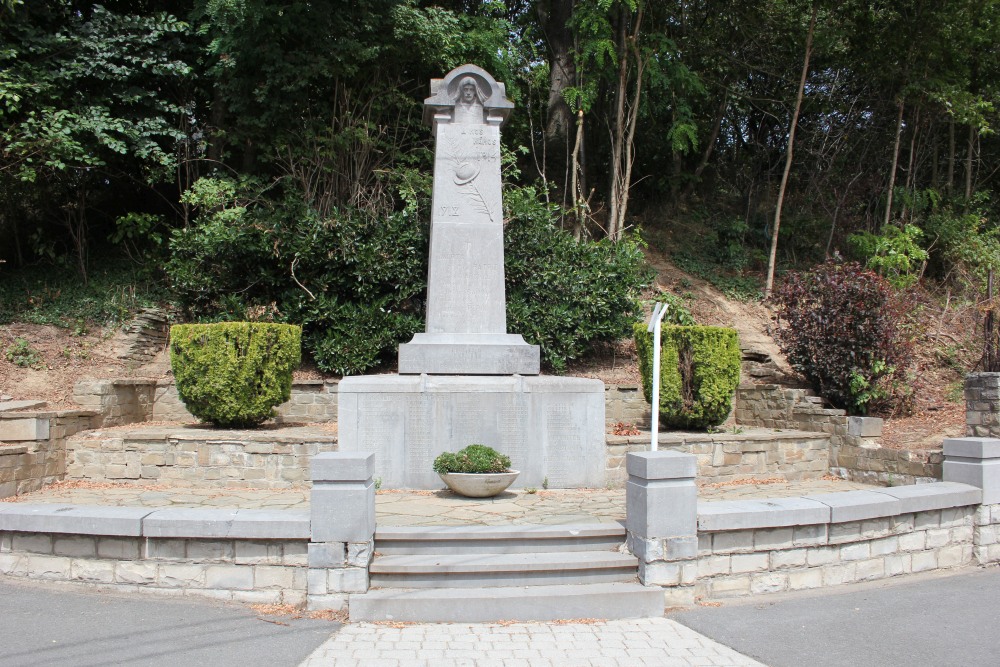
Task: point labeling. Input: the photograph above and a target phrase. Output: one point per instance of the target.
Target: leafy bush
(355, 282)
(476, 459)
(352, 281)
(233, 373)
(22, 354)
(895, 254)
(841, 326)
(699, 372)
(565, 295)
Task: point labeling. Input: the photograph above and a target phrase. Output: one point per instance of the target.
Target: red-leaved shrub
(842, 327)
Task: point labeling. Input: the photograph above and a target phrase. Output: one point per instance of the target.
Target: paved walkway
(657, 642)
(420, 508)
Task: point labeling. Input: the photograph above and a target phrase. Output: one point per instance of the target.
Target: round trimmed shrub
(699, 373)
(233, 374)
(473, 459)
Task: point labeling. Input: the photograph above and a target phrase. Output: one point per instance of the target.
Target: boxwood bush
(473, 459)
(699, 372)
(233, 374)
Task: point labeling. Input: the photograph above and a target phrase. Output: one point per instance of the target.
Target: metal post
(659, 310)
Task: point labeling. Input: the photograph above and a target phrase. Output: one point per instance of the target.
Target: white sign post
(659, 310)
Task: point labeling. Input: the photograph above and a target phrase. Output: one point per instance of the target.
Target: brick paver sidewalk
(657, 642)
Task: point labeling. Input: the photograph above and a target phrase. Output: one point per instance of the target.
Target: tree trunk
(968, 166)
(910, 177)
(951, 154)
(554, 17)
(788, 155)
(895, 163)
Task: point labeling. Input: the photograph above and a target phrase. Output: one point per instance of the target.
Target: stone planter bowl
(479, 485)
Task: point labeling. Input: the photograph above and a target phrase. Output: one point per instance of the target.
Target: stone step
(519, 603)
(394, 540)
(501, 570)
(10, 406)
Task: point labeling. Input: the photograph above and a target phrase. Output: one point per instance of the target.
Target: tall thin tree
(788, 155)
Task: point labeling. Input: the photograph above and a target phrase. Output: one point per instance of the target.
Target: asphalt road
(69, 626)
(926, 620)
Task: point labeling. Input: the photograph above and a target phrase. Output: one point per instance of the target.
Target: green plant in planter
(475, 459)
(233, 374)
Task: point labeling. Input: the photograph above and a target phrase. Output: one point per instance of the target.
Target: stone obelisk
(466, 332)
(465, 380)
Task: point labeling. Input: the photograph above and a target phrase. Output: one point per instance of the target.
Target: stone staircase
(497, 573)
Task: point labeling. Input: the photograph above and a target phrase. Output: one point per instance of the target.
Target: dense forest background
(267, 159)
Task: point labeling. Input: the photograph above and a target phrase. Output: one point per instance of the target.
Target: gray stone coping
(11, 406)
(972, 448)
(47, 414)
(227, 523)
(75, 519)
(834, 507)
(747, 435)
(13, 450)
(198, 432)
(150, 522)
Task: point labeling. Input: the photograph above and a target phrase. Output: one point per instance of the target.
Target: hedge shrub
(699, 372)
(233, 373)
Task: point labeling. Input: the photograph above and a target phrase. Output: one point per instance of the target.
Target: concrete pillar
(661, 504)
(976, 461)
(342, 520)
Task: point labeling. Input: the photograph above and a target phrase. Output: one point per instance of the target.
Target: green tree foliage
(356, 281)
(88, 97)
(842, 327)
(699, 373)
(233, 374)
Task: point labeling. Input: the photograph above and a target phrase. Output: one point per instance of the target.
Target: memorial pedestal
(468, 354)
(552, 428)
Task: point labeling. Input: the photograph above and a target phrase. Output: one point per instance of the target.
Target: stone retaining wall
(855, 452)
(724, 457)
(255, 562)
(813, 555)
(36, 452)
(129, 401)
(194, 456)
(887, 467)
(748, 547)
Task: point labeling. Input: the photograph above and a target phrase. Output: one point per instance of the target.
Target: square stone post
(342, 520)
(982, 404)
(661, 505)
(976, 461)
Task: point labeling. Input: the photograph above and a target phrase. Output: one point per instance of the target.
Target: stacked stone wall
(29, 464)
(770, 560)
(855, 452)
(724, 457)
(982, 405)
(212, 459)
(257, 571)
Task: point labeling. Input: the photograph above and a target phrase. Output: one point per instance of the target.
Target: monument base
(552, 428)
(468, 354)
